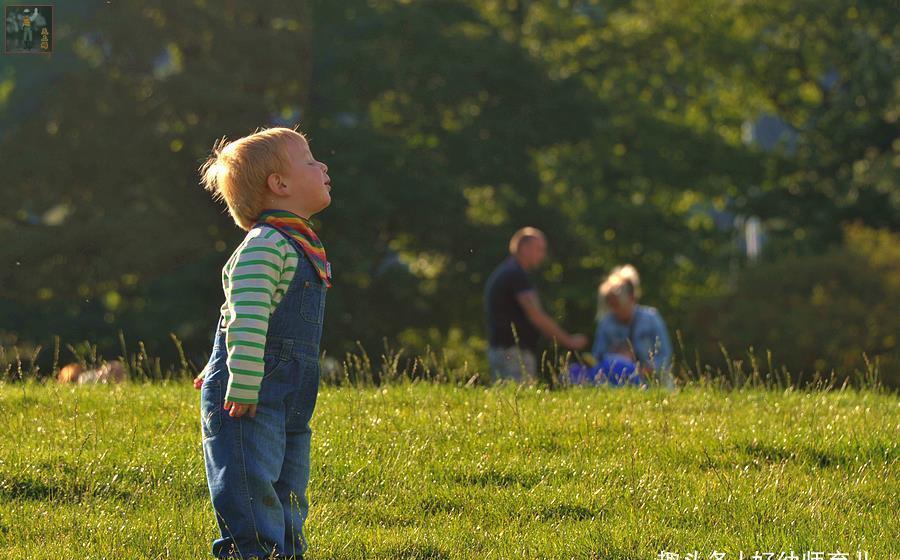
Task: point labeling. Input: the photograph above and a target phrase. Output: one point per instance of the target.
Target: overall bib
(258, 468)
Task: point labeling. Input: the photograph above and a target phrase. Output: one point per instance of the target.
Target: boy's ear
(275, 184)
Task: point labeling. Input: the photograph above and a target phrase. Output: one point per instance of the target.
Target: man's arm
(530, 302)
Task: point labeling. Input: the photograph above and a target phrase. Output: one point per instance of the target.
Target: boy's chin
(322, 205)
(326, 202)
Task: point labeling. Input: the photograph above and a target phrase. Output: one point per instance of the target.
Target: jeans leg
(512, 363)
(502, 366)
(243, 461)
(527, 361)
(294, 480)
(291, 489)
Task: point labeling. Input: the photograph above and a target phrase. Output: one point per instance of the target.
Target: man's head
(529, 247)
(272, 168)
(620, 292)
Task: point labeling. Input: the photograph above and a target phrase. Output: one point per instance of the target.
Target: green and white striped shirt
(254, 279)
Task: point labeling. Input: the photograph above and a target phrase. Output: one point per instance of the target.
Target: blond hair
(523, 235)
(623, 281)
(237, 172)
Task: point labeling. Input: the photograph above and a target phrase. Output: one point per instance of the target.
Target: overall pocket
(312, 302)
(273, 366)
(211, 402)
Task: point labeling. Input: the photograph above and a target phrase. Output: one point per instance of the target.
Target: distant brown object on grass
(69, 373)
(109, 372)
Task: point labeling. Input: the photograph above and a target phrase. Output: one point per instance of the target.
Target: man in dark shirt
(515, 317)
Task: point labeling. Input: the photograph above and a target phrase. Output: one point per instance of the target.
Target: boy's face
(306, 186)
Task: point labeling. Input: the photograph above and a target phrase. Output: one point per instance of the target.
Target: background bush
(814, 312)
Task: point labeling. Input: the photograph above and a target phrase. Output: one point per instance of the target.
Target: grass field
(418, 470)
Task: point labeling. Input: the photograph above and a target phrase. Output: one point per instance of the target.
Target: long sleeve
(250, 281)
(601, 343)
(662, 357)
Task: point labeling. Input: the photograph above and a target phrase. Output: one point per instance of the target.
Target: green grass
(417, 470)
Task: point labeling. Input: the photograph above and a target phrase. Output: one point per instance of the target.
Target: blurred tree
(624, 129)
(101, 196)
(829, 73)
(816, 313)
(541, 115)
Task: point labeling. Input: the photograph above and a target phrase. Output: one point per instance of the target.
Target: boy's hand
(237, 409)
(198, 382)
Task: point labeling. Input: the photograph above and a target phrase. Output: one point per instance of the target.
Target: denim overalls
(258, 468)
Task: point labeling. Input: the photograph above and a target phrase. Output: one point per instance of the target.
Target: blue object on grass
(612, 372)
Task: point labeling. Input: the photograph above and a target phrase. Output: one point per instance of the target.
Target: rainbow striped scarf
(300, 229)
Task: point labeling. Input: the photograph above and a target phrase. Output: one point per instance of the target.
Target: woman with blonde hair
(624, 324)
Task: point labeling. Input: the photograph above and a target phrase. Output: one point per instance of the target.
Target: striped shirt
(254, 279)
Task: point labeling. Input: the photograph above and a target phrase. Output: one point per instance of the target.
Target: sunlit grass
(419, 470)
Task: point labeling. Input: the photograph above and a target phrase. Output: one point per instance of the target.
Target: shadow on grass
(435, 505)
(30, 489)
(414, 551)
(758, 454)
(497, 478)
(565, 512)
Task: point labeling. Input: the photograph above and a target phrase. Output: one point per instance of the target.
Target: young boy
(259, 388)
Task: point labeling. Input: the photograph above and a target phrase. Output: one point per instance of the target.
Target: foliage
(620, 128)
(816, 313)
